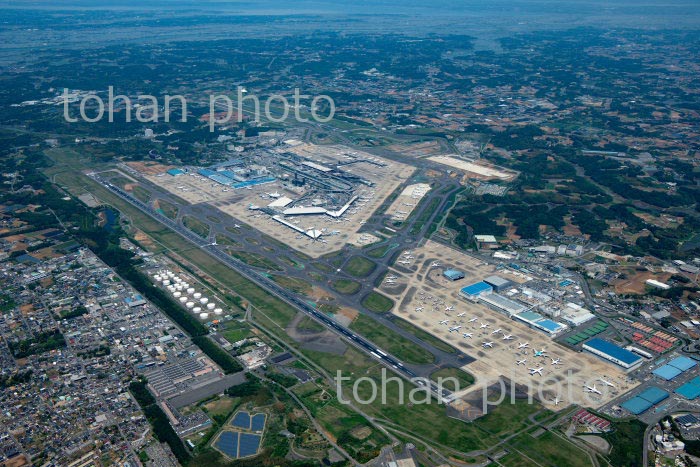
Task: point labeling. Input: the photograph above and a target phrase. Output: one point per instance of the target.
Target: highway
(273, 288)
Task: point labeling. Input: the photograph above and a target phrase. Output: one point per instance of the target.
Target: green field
(293, 284)
(346, 286)
(397, 345)
(424, 336)
(225, 240)
(255, 260)
(549, 448)
(377, 302)
(463, 378)
(379, 252)
(359, 267)
(195, 225)
(169, 210)
(235, 331)
(141, 194)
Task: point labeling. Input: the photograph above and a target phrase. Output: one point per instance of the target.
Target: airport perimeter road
(276, 290)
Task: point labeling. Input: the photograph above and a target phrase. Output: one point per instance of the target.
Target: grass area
(169, 209)
(195, 225)
(220, 406)
(388, 340)
(293, 284)
(291, 262)
(322, 267)
(141, 193)
(225, 240)
(359, 267)
(425, 215)
(424, 336)
(214, 219)
(379, 252)
(235, 331)
(549, 448)
(377, 302)
(255, 260)
(346, 286)
(463, 378)
(310, 325)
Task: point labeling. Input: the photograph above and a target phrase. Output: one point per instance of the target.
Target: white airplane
(523, 345)
(536, 370)
(449, 308)
(555, 361)
(213, 243)
(467, 334)
(487, 344)
(444, 321)
(404, 262)
(592, 389)
(484, 326)
(236, 226)
(521, 362)
(455, 328)
(496, 331)
(419, 308)
(607, 383)
(390, 281)
(461, 314)
(408, 256)
(435, 264)
(556, 400)
(540, 353)
(473, 319)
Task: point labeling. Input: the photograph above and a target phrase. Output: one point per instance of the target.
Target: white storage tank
(166, 282)
(197, 295)
(196, 309)
(189, 304)
(183, 299)
(204, 315)
(203, 300)
(218, 311)
(177, 294)
(190, 291)
(210, 306)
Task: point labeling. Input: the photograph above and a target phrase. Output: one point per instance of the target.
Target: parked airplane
(435, 264)
(521, 362)
(444, 321)
(487, 344)
(507, 337)
(592, 389)
(449, 308)
(556, 400)
(419, 308)
(484, 326)
(455, 328)
(536, 370)
(496, 331)
(467, 334)
(461, 314)
(607, 383)
(473, 319)
(555, 361)
(540, 353)
(524, 345)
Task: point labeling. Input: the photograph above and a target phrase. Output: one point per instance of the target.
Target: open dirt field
(426, 298)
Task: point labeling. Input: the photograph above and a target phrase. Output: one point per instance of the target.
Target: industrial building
(453, 274)
(473, 291)
(613, 353)
(498, 283)
(502, 304)
(691, 389)
(537, 321)
(675, 367)
(645, 400)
